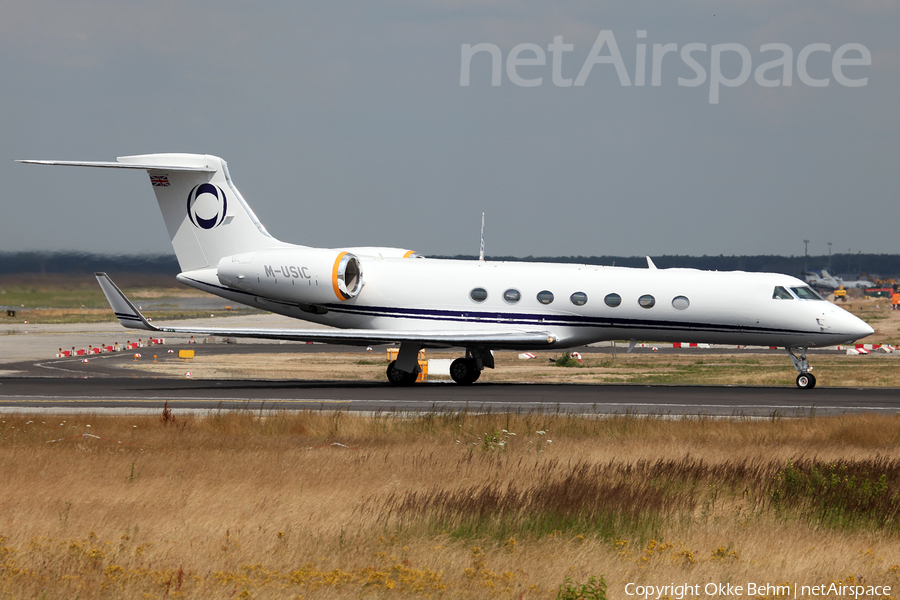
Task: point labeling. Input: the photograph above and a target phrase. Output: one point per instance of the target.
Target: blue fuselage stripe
(543, 319)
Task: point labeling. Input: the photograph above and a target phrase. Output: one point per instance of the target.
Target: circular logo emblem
(207, 206)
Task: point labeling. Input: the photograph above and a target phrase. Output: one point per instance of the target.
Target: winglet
(650, 264)
(125, 311)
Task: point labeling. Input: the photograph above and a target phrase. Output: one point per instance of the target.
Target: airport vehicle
(373, 295)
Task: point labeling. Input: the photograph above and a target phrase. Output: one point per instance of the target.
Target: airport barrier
(874, 347)
(423, 371)
(115, 347)
(392, 354)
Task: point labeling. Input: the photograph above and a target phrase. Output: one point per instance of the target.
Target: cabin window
(511, 296)
(478, 294)
(807, 293)
(545, 297)
(680, 302)
(578, 298)
(646, 301)
(781, 293)
(613, 300)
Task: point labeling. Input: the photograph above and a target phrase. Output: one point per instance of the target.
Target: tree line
(883, 265)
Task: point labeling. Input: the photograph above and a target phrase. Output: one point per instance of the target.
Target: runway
(64, 385)
(35, 382)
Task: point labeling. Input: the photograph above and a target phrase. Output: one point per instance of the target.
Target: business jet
(374, 295)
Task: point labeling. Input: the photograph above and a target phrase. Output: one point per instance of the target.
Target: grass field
(456, 505)
(329, 505)
(58, 298)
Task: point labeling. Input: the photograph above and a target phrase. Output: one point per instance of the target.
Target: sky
(380, 124)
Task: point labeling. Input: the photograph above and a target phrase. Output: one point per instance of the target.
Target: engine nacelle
(302, 275)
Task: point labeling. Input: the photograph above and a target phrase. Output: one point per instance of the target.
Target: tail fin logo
(207, 206)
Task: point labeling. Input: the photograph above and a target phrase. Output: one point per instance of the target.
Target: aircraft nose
(855, 327)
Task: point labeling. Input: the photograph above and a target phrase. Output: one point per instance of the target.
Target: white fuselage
(429, 294)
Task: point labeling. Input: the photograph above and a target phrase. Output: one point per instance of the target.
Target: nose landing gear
(805, 380)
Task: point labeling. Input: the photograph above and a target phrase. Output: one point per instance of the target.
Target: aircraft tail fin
(206, 216)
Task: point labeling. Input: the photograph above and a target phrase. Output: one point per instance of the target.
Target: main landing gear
(405, 370)
(464, 371)
(398, 377)
(805, 380)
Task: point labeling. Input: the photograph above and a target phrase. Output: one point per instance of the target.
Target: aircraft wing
(130, 317)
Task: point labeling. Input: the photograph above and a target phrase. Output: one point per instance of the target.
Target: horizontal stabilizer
(120, 165)
(130, 317)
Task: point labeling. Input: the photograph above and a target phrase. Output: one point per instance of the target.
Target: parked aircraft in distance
(827, 281)
(373, 295)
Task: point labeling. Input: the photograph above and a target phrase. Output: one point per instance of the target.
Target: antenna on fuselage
(481, 254)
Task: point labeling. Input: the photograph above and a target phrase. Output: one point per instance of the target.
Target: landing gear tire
(464, 371)
(806, 381)
(398, 377)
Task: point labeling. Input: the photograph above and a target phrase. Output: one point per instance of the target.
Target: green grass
(594, 589)
(565, 360)
(24, 296)
(82, 291)
(77, 298)
(56, 317)
(640, 501)
(841, 495)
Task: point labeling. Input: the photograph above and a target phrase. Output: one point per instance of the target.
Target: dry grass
(238, 504)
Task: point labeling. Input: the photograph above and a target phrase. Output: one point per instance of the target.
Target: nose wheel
(805, 380)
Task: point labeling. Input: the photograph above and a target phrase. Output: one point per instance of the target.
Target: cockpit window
(807, 293)
(781, 294)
